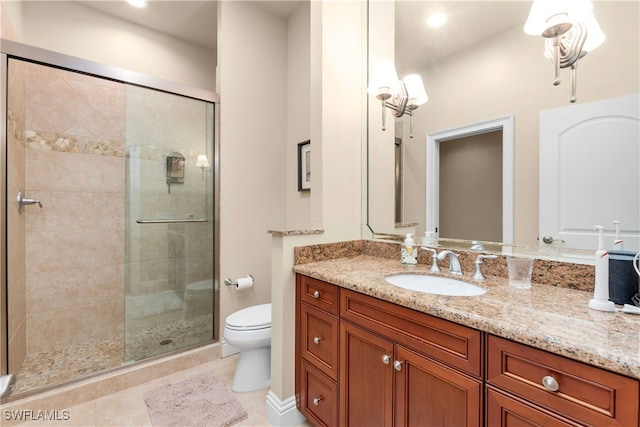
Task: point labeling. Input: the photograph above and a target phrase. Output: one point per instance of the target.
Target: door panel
(589, 174)
(434, 395)
(366, 382)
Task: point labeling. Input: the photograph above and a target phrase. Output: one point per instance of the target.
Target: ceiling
(469, 22)
(191, 21)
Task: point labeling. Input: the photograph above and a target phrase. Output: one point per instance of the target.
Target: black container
(623, 279)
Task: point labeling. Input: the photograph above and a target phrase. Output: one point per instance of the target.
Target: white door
(590, 172)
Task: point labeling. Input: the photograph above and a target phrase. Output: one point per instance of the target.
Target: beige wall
(298, 203)
(502, 76)
(73, 29)
(471, 188)
(253, 91)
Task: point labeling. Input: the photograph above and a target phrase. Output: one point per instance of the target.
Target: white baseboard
(283, 413)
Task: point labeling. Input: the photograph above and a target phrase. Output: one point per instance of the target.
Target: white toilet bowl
(249, 330)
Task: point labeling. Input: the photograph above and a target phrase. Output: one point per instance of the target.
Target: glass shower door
(169, 284)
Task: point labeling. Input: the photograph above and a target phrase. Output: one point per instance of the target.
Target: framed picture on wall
(304, 166)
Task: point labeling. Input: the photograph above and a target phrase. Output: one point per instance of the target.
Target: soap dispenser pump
(600, 300)
(409, 253)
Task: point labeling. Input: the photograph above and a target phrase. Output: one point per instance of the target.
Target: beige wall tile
(39, 170)
(59, 290)
(66, 250)
(58, 329)
(83, 172)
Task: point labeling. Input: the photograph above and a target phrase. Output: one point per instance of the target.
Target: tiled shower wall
(75, 166)
(17, 313)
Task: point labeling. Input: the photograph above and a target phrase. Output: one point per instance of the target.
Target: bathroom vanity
(369, 353)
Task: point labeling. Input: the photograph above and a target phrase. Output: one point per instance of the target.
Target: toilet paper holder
(231, 282)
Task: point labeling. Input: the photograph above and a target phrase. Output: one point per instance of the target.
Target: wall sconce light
(401, 96)
(570, 30)
(203, 163)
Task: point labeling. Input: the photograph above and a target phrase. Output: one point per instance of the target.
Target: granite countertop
(547, 317)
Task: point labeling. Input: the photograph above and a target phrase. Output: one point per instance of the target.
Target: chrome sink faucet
(434, 259)
(454, 262)
(477, 275)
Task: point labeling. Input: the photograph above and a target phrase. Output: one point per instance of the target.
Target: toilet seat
(251, 318)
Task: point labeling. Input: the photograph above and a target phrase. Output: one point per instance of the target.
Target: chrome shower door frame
(13, 50)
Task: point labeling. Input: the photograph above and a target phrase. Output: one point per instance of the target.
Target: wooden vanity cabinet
(317, 350)
(395, 366)
(362, 361)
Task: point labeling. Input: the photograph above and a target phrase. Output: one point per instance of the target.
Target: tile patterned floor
(127, 407)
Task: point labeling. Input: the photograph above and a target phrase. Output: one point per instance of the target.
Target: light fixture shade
(415, 90)
(595, 35)
(547, 13)
(383, 79)
(202, 161)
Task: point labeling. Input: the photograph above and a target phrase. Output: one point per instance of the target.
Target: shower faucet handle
(25, 201)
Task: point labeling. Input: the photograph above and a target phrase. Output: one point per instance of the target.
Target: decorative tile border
(46, 141)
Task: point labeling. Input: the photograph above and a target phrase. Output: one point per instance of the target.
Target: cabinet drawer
(319, 397)
(505, 411)
(320, 339)
(453, 344)
(586, 394)
(319, 294)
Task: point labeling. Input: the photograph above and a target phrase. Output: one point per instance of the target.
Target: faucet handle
(434, 259)
(477, 275)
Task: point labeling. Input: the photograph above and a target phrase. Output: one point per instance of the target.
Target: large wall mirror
(482, 68)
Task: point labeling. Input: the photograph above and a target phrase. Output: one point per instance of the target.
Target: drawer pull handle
(317, 400)
(316, 340)
(316, 294)
(386, 359)
(550, 383)
(397, 365)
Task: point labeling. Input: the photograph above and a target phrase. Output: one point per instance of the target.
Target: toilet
(198, 299)
(249, 330)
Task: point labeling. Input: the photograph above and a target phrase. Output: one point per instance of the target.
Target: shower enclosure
(110, 214)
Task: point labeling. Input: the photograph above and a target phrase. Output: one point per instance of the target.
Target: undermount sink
(435, 285)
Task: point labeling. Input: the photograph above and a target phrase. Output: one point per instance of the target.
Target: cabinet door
(431, 394)
(505, 411)
(366, 378)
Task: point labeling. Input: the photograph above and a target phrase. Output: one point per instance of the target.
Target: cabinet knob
(317, 400)
(550, 383)
(386, 359)
(397, 365)
(316, 294)
(316, 340)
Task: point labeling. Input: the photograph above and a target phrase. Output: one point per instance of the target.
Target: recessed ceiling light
(437, 20)
(137, 3)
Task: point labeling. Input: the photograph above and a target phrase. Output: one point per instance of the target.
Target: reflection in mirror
(479, 66)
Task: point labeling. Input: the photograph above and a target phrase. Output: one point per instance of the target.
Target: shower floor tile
(47, 368)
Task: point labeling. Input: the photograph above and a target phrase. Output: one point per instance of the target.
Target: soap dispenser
(409, 253)
(600, 300)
